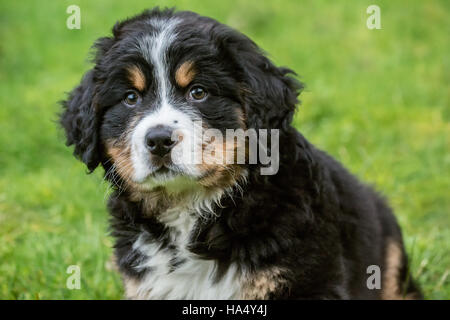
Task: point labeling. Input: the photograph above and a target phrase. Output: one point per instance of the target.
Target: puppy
(214, 228)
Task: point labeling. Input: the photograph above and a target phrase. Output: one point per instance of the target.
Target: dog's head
(158, 84)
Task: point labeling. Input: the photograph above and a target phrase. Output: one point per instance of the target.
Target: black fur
(312, 219)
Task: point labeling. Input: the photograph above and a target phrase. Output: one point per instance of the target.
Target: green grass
(377, 100)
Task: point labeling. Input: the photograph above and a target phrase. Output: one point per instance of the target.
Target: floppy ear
(80, 121)
(269, 93)
(80, 117)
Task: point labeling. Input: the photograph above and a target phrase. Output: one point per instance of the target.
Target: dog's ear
(269, 92)
(81, 116)
(80, 121)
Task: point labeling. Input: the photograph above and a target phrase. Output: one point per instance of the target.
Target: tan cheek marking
(137, 78)
(120, 152)
(262, 283)
(122, 159)
(220, 177)
(185, 74)
(219, 173)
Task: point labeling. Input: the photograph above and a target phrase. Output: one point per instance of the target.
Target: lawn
(377, 100)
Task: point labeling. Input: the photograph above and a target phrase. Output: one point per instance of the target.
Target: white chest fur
(192, 278)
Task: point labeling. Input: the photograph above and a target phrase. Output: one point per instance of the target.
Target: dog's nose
(159, 140)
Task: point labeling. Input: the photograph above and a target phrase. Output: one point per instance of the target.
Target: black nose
(159, 140)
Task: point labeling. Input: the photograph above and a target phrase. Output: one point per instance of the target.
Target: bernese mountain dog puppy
(222, 229)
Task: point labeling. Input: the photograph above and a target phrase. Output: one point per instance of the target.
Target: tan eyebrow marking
(137, 78)
(185, 74)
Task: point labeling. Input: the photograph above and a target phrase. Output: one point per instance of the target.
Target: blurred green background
(377, 100)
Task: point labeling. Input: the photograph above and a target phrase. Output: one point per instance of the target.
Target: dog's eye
(198, 93)
(131, 98)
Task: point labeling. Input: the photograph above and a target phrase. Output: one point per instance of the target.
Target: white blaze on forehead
(154, 49)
